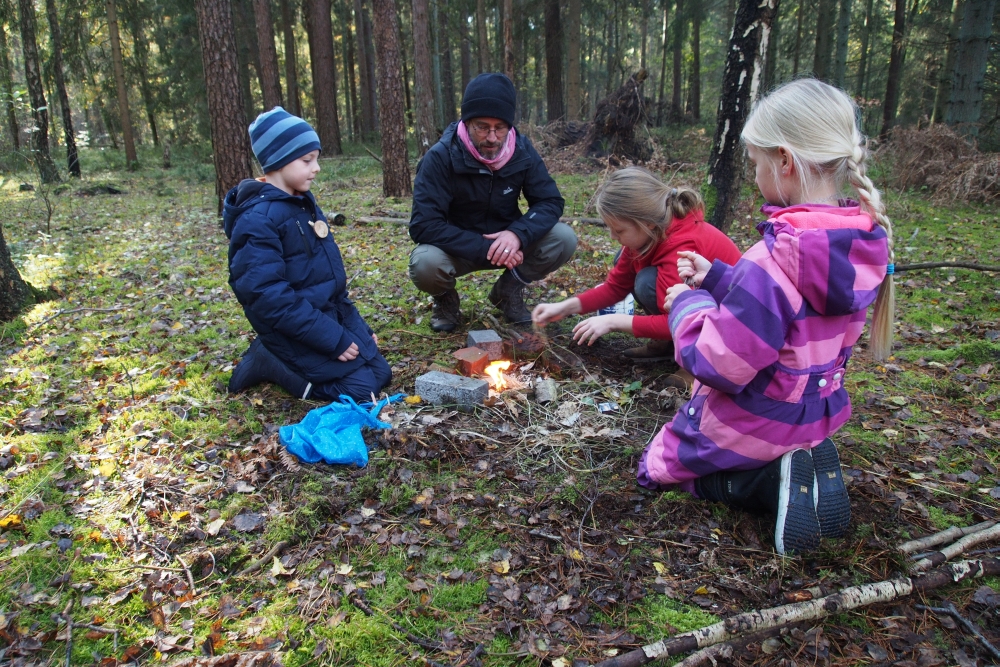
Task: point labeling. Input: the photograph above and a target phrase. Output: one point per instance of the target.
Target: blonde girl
(769, 339)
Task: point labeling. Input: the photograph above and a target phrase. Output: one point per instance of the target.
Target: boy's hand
(672, 293)
(692, 268)
(375, 338)
(350, 353)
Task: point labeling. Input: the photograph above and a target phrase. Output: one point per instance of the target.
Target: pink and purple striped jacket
(768, 342)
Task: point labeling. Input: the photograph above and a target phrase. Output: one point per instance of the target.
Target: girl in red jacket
(654, 223)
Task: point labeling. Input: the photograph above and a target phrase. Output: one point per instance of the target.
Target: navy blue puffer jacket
(291, 283)
(457, 199)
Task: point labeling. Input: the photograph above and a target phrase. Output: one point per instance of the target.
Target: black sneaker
(796, 529)
(833, 508)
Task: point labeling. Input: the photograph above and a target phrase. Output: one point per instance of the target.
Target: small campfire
(495, 371)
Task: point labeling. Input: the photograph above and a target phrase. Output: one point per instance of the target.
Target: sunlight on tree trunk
(39, 109)
(72, 159)
(8, 90)
(131, 159)
(14, 292)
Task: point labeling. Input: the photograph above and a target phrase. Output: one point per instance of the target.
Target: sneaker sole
(833, 507)
(796, 529)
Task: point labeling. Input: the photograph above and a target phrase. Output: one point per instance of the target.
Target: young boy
(287, 273)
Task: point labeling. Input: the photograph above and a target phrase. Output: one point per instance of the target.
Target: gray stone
(488, 340)
(545, 390)
(440, 388)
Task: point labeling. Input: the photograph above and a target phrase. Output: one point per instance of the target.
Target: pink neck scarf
(502, 158)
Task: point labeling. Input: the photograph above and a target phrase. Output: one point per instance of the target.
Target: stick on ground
(920, 544)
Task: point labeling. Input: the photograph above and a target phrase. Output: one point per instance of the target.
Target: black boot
(783, 488)
(259, 365)
(447, 312)
(833, 508)
(508, 295)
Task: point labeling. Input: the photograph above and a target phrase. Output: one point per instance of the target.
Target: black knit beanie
(490, 95)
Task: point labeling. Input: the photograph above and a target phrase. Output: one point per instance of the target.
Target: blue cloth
(278, 137)
(332, 433)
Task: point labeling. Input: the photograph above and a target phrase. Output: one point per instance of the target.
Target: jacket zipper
(305, 241)
(489, 201)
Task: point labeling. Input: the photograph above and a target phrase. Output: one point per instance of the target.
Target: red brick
(472, 361)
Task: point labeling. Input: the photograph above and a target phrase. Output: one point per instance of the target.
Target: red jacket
(689, 233)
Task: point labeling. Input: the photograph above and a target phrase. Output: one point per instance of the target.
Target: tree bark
(465, 52)
(661, 103)
(574, 98)
(424, 125)
(509, 63)
(965, 103)
(895, 70)
(230, 141)
(740, 87)
(119, 66)
(484, 43)
(72, 159)
(859, 86)
(943, 92)
(395, 168)
(291, 66)
(365, 71)
(447, 68)
(39, 109)
(14, 292)
(695, 97)
(324, 73)
(843, 34)
(825, 18)
(7, 79)
(248, 53)
(350, 82)
(553, 61)
(270, 80)
(135, 21)
(676, 111)
(796, 54)
(373, 91)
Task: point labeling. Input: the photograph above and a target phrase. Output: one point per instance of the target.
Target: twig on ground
(263, 560)
(480, 648)
(377, 158)
(187, 571)
(946, 265)
(966, 623)
(424, 643)
(68, 617)
(955, 549)
(913, 546)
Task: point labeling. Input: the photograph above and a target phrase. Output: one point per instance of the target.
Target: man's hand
(506, 249)
(350, 353)
(672, 293)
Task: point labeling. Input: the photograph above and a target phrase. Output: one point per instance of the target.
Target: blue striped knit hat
(278, 137)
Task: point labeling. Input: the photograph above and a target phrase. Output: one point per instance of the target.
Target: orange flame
(495, 371)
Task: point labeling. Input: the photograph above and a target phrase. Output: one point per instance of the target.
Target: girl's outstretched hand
(553, 312)
(692, 268)
(672, 293)
(588, 331)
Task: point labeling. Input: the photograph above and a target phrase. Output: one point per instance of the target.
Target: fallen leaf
(214, 527)
(660, 568)
(10, 521)
(279, 570)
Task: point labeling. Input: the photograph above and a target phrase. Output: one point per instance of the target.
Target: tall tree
(424, 125)
(366, 83)
(553, 61)
(866, 33)
(843, 34)
(465, 51)
(36, 93)
(966, 101)
(350, 82)
(943, 92)
(395, 168)
(574, 96)
(484, 44)
(675, 102)
(447, 67)
(324, 74)
(694, 101)
(508, 39)
(134, 14)
(119, 66)
(14, 292)
(72, 160)
(291, 66)
(894, 80)
(247, 54)
(825, 17)
(740, 88)
(230, 141)
(7, 89)
(661, 103)
(797, 52)
(270, 80)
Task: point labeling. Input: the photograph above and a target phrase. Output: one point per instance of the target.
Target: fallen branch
(190, 578)
(848, 599)
(365, 219)
(480, 648)
(955, 549)
(263, 560)
(377, 158)
(918, 545)
(945, 265)
(969, 627)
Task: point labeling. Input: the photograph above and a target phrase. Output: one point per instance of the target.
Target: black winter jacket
(457, 199)
(291, 283)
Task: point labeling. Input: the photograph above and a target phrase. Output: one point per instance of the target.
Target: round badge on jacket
(320, 227)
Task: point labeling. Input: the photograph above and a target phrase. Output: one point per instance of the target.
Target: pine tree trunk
(435, 29)
(574, 97)
(447, 67)
(484, 44)
(695, 101)
(7, 80)
(509, 64)
(796, 54)
(395, 168)
(424, 125)
(661, 103)
(553, 61)
(771, 62)
(643, 32)
(351, 78)
(401, 41)
(248, 53)
(324, 73)
(465, 52)
(676, 111)
(270, 80)
(895, 70)
(843, 34)
(350, 94)
(14, 292)
(859, 86)
(141, 47)
(740, 88)
(824, 39)
(39, 109)
(119, 66)
(965, 104)
(943, 92)
(230, 141)
(373, 91)
(72, 159)
(291, 66)
(367, 113)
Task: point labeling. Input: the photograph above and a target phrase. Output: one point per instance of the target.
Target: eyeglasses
(483, 130)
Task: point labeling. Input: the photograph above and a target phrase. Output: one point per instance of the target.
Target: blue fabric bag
(332, 433)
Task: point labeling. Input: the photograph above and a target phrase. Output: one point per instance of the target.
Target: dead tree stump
(613, 130)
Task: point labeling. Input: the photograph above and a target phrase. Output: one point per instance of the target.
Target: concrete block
(440, 388)
(486, 339)
(472, 360)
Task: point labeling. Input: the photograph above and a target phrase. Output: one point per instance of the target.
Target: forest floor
(134, 489)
